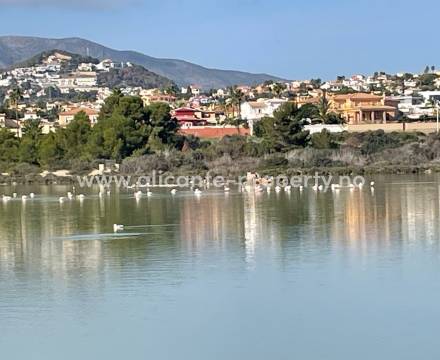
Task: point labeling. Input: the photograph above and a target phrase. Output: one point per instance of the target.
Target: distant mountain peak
(16, 49)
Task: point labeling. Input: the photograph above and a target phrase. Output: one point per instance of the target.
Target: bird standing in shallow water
(117, 227)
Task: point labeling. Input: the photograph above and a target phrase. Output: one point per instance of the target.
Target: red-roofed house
(188, 117)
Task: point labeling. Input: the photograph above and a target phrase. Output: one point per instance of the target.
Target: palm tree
(14, 98)
(324, 108)
(236, 98)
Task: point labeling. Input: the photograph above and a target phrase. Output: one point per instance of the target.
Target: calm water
(300, 276)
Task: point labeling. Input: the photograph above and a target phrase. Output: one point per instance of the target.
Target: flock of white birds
(196, 191)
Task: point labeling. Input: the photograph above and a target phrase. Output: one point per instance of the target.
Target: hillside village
(55, 86)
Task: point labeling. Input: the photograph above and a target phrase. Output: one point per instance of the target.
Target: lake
(300, 275)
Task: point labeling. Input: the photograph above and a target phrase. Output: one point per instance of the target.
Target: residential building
(188, 117)
(66, 117)
(361, 108)
(11, 125)
(253, 111)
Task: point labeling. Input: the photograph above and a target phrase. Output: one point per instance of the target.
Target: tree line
(125, 128)
(128, 129)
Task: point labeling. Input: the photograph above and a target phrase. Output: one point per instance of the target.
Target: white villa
(253, 111)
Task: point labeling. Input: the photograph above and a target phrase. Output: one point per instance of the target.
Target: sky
(291, 39)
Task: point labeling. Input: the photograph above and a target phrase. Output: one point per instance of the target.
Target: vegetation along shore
(146, 138)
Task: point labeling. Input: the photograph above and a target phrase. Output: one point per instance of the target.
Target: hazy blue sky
(292, 39)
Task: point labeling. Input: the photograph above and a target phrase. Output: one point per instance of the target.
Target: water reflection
(282, 266)
(276, 226)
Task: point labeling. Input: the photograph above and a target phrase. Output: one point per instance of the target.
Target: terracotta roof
(77, 110)
(356, 96)
(257, 104)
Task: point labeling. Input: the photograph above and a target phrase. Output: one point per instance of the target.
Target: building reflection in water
(246, 226)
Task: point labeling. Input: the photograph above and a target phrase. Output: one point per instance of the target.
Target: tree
(75, 137)
(325, 114)
(265, 129)
(316, 83)
(237, 97)
(30, 142)
(237, 122)
(164, 127)
(289, 126)
(171, 90)
(334, 119)
(278, 89)
(14, 98)
(50, 151)
(122, 128)
(285, 130)
(110, 104)
(9, 145)
(323, 107)
(308, 111)
(323, 140)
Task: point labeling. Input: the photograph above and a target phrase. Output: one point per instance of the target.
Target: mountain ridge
(14, 49)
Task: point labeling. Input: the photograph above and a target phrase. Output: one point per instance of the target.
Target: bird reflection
(288, 227)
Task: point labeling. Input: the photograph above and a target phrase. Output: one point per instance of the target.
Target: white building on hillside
(253, 111)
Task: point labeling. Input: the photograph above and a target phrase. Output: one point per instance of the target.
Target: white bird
(277, 188)
(108, 192)
(268, 189)
(315, 187)
(301, 188)
(197, 192)
(372, 183)
(61, 199)
(31, 195)
(138, 194)
(7, 198)
(149, 193)
(81, 197)
(117, 227)
(173, 192)
(24, 197)
(227, 189)
(69, 195)
(288, 188)
(320, 187)
(14, 195)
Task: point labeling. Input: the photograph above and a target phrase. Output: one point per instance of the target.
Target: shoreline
(72, 178)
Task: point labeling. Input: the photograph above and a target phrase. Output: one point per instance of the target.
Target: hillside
(134, 76)
(15, 49)
(130, 76)
(39, 58)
